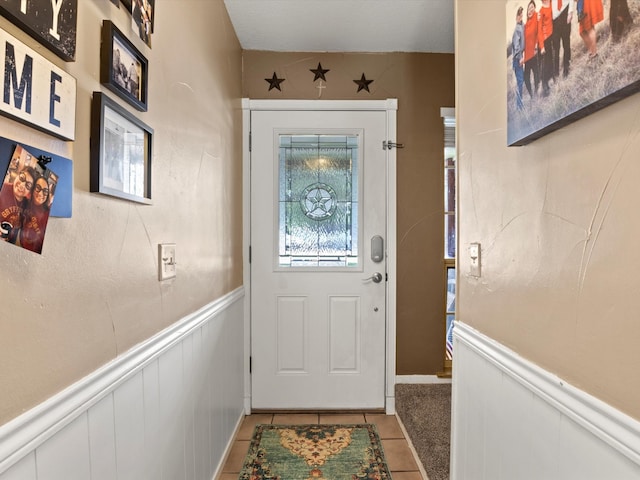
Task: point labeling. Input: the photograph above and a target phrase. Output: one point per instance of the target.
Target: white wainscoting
(165, 410)
(512, 420)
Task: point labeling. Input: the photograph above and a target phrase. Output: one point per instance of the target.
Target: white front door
(318, 279)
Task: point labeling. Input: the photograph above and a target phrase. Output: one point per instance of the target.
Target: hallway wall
(422, 83)
(556, 220)
(94, 294)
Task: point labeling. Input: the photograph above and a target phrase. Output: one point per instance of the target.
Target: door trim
(390, 106)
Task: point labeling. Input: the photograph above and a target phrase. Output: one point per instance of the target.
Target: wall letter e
(53, 97)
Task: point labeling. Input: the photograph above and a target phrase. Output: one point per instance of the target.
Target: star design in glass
(363, 83)
(319, 72)
(274, 82)
(319, 201)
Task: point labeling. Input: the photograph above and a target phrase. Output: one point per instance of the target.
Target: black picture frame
(127, 4)
(38, 22)
(120, 63)
(121, 152)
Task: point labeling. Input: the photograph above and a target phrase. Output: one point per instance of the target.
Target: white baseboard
(421, 379)
(414, 452)
(225, 455)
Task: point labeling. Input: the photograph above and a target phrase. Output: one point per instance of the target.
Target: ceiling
(343, 25)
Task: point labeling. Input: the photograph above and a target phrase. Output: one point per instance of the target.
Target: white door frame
(391, 107)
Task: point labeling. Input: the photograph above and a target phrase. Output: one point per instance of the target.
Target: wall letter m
(23, 90)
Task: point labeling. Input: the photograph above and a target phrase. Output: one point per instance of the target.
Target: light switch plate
(166, 261)
(474, 255)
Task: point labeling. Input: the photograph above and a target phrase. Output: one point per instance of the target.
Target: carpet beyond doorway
(425, 411)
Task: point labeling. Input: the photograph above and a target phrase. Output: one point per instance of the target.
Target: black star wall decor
(319, 72)
(274, 82)
(363, 83)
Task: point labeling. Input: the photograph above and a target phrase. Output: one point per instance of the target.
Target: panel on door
(318, 197)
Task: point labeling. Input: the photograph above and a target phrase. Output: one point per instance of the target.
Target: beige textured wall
(557, 223)
(94, 292)
(422, 83)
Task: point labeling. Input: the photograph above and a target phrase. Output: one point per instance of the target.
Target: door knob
(376, 277)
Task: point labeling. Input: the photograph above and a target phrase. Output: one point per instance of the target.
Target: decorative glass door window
(318, 200)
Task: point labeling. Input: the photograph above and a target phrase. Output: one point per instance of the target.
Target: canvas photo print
(26, 197)
(567, 59)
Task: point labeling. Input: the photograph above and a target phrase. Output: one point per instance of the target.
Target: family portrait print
(26, 197)
(567, 59)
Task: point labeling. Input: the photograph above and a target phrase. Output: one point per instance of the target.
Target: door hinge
(250, 364)
(249, 253)
(249, 141)
(388, 145)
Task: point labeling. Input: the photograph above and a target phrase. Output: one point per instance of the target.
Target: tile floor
(399, 454)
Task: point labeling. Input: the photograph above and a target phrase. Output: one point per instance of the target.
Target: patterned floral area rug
(315, 452)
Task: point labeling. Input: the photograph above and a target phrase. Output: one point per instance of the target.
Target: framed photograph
(52, 23)
(567, 59)
(123, 69)
(142, 15)
(121, 147)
